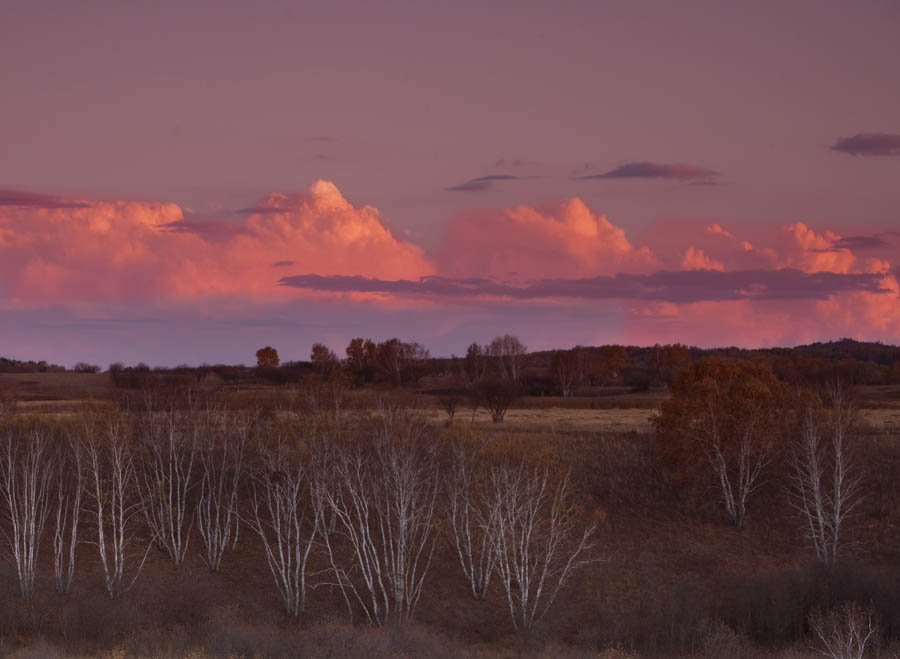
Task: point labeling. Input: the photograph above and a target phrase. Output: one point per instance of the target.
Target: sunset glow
(313, 184)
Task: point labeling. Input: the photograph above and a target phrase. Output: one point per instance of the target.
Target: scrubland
(667, 576)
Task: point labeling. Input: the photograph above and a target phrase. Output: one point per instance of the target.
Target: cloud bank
(315, 266)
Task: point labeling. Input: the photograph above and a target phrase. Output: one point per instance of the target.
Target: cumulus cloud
(706, 283)
(696, 259)
(140, 250)
(568, 240)
(869, 144)
(654, 170)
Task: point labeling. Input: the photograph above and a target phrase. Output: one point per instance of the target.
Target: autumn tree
(323, 359)
(604, 367)
(722, 425)
(360, 361)
(267, 357)
(666, 361)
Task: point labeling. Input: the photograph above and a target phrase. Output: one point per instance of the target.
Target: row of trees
(357, 503)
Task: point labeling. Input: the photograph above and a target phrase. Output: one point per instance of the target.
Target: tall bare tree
(538, 536)
(221, 450)
(114, 503)
(383, 494)
(166, 472)
(825, 481)
(470, 511)
(69, 492)
(284, 515)
(569, 368)
(509, 356)
(26, 469)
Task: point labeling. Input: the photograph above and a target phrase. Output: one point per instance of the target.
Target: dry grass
(881, 419)
(554, 419)
(57, 386)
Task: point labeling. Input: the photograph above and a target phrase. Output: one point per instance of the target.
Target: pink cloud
(708, 284)
(696, 259)
(568, 240)
(129, 250)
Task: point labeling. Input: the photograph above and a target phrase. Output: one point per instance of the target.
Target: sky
(185, 182)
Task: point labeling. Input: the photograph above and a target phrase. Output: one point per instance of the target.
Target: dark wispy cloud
(212, 227)
(869, 144)
(260, 210)
(656, 170)
(282, 264)
(482, 183)
(860, 242)
(36, 200)
(667, 286)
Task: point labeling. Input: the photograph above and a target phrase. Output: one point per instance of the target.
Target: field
(673, 579)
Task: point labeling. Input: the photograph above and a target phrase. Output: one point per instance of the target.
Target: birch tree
(26, 469)
(843, 633)
(825, 484)
(382, 492)
(471, 515)
(508, 354)
(284, 515)
(166, 473)
(221, 450)
(113, 502)
(69, 492)
(538, 536)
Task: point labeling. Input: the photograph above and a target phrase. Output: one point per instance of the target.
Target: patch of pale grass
(558, 419)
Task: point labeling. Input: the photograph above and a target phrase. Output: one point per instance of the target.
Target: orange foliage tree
(267, 357)
(723, 426)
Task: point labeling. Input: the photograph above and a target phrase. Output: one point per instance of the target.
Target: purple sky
(657, 115)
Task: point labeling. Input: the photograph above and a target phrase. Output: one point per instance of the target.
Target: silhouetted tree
(496, 394)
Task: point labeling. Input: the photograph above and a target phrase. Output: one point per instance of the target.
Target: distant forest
(398, 363)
